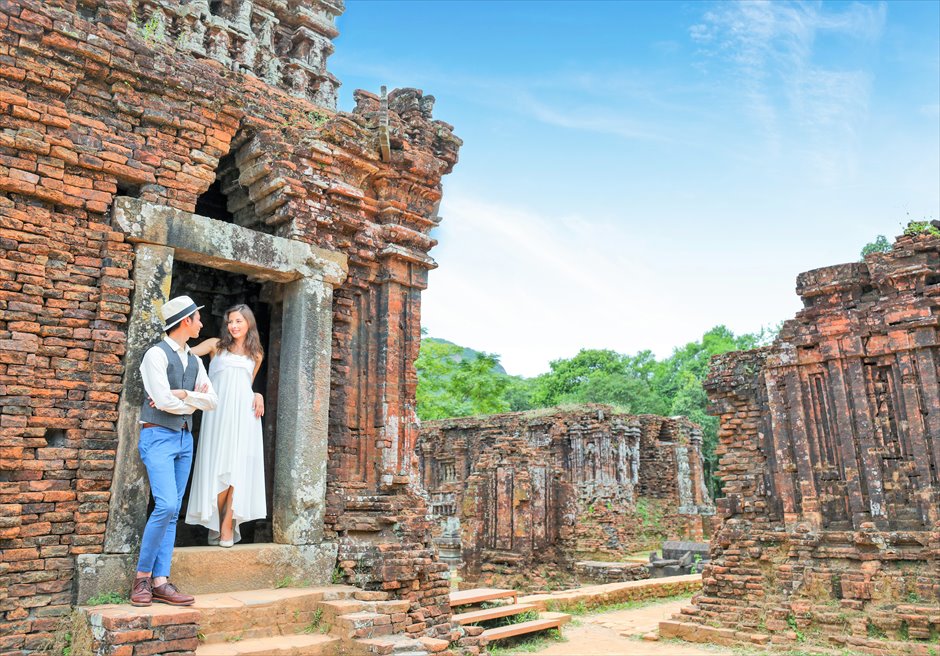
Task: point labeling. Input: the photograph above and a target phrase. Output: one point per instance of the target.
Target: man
(177, 385)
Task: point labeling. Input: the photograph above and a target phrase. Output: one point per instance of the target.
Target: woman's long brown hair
(253, 347)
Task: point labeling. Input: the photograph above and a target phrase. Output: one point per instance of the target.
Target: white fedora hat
(177, 309)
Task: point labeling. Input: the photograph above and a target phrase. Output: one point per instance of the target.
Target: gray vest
(178, 379)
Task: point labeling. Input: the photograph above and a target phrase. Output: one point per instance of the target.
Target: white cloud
(531, 287)
(591, 119)
(771, 45)
(930, 111)
(534, 287)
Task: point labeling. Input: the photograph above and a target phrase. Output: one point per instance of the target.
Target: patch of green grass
(921, 227)
(874, 632)
(518, 618)
(904, 631)
(791, 622)
(719, 649)
(316, 624)
(72, 636)
(290, 582)
(235, 638)
(582, 609)
(525, 644)
(337, 576)
(107, 598)
(609, 408)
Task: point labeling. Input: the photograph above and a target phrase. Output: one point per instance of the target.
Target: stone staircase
(332, 620)
(323, 621)
(486, 604)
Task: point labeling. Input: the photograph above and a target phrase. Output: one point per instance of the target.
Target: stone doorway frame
(307, 274)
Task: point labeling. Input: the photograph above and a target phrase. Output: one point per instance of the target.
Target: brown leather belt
(149, 425)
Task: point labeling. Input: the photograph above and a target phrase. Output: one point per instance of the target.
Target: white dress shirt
(153, 372)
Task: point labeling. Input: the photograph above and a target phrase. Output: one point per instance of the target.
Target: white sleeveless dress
(230, 449)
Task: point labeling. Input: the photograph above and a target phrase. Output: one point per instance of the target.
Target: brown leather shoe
(141, 593)
(168, 594)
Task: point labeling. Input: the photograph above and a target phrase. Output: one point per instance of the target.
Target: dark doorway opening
(219, 290)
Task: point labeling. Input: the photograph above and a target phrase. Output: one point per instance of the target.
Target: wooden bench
(545, 621)
(478, 595)
(492, 613)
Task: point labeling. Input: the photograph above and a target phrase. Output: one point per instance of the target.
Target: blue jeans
(167, 455)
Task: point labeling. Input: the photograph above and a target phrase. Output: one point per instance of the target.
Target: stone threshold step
(268, 596)
(545, 621)
(393, 644)
(269, 612)
(296, 645)
(206, 570)
(477, 595)
(491, 613)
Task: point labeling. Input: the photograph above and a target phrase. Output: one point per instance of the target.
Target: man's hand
(203, 388)
(257, 406)
(180, 394)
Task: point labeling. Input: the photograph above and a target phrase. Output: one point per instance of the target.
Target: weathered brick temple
(150, 147)
(520, 497)
(830, 443)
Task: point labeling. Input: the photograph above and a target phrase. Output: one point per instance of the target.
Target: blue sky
(635, 173)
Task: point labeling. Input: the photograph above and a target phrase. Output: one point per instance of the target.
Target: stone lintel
(220, 245)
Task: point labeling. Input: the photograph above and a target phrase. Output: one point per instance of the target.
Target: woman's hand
(257, 405)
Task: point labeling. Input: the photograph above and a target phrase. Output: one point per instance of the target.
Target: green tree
(452, 383)
(519, 393)
(601, 376)
(681, 380)
(880, 245)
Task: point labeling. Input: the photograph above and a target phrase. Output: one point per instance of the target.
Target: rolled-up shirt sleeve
(207, 400)
(153, 373)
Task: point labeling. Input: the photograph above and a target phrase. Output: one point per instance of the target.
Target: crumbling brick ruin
(523, 496)
(149, 145)
(830, 456)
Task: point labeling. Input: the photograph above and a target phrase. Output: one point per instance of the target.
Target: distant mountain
(466, 355)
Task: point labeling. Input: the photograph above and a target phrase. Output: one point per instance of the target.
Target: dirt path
(617, 633)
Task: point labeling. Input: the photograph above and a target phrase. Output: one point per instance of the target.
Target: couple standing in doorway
(228, 481)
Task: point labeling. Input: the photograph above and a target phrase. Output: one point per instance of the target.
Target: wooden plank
(491, 613)
(475, 596)
(545, 621)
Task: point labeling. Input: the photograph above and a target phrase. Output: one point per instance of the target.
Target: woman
(228, 474)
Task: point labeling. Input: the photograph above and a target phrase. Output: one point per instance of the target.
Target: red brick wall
(830, 456)
(534, 492)
(90, 109)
